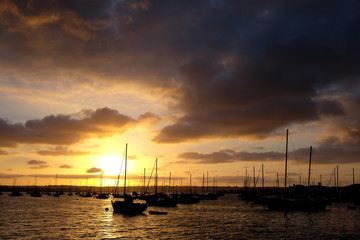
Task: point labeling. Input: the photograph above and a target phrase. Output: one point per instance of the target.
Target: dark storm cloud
(62, 151)
(65, 129)
(240, 68)
(329, 154)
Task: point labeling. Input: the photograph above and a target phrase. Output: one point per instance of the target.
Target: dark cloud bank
(240, 68)
(66, 129)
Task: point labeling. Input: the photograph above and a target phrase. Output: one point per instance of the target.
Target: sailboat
(35, 193)
(125, 204)
(160, 199)
(294, 204)
(56, 193)
(101, 195)
(15, 192)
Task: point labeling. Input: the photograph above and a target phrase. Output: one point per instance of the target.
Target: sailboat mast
(262, 176)
(125, 169)
(254, 178)
(144, 180)
(202, 189)
(156, 177)
(207, 181)
(309, 166)
(169, 183)
(286, 155)
(190, 184)
(353, 176)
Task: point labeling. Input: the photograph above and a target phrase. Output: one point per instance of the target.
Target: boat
(15, 192)
(187, 198)
(160, 199)
(56, 193)
(101, 195)
(125, 204)
(294, 204)
(70, 193)
(35, 193)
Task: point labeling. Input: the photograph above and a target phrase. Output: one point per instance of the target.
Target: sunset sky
(204, 86)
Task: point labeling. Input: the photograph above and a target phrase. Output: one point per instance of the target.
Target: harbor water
(73, 217)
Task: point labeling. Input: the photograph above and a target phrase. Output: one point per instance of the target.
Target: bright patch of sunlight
(110, 164)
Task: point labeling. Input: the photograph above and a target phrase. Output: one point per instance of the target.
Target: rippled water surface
(72, 217)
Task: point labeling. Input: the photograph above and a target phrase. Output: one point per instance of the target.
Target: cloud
(228, 156)
(226, 68)
(323, 154)
(94, 170)
(62, 151)
(329, 154)
(66, 166)
(66, 129)
(2, 152)
(37, 164)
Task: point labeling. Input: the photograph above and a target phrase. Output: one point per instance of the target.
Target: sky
(206, 87)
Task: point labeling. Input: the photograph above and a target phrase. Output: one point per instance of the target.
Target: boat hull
(296, 205)
(128, 208)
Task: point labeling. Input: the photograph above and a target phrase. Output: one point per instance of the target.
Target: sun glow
(110, 164)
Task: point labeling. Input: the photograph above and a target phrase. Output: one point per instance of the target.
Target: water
(73, 217)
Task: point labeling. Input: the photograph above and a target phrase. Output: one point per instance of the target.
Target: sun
(110, 164)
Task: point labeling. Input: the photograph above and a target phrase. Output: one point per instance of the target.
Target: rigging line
(138, 187)
(150, 177)
(258, 177)
(277, 150)
(293, 148)
(330, 180)
(118, 178)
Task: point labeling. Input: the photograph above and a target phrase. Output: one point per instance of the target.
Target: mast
(156, 176)
(214, 185)
(125, 169)
(202, 189)
(337, 175)
(190, 184)
(246, 178)
(309, 166)
(254, 178)
(353, 176)
(207, 181)
(286, 155)
(262, 176)
(169, 183)
(144, 181)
